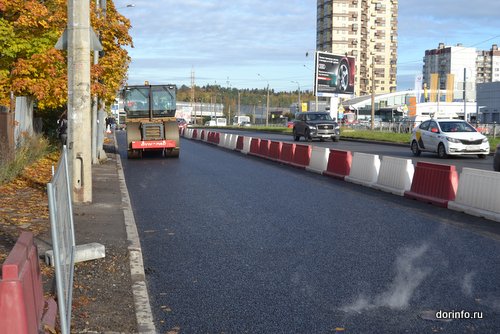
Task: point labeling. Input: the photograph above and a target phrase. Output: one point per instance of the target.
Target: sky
(255, 43)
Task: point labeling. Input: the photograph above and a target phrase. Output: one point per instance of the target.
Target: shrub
(12, 162)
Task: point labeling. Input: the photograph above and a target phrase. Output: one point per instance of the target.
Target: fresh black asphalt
(237, 244)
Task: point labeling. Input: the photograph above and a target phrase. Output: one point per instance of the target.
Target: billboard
(334, 74)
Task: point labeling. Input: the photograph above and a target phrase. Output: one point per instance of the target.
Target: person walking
(62, 128)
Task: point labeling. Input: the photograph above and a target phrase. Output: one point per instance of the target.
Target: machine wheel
(296, 137)
(134, 154)
(171, 153)
(442, 151)
(414, 148)
(335, 138)
(481, 156)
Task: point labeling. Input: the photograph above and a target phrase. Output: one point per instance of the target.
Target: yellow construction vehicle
(150, 120)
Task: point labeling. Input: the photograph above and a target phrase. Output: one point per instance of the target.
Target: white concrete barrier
(223, 140)
(246, 144)
(232, 142)
(364, 169)
(319, 159)
(478, 194)
(395, 175)
(189, 133)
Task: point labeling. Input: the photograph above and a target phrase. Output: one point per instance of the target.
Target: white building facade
(488, 102)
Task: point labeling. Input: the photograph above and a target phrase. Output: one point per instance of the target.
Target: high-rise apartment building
(367, 30)
(488, 65)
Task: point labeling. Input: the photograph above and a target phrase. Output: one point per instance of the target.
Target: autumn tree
(31, 66)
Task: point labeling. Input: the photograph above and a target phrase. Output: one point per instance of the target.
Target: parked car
(315, 125)
(496, 159)
(448, 137)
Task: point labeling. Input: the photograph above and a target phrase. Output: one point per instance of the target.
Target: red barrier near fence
(195, 134)
(239, 143)
(302, 156)
(287, 153)
(21, 295)
(434, 183)
(339, 164)
(202, 135)
(254, 146)
(275, 150)
(217, 138)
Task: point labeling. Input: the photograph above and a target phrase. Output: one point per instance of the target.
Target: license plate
(472, 148)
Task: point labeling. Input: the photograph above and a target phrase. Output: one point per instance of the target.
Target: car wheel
(414, 148)
(481, 156)
(296, 137)
(496, 163)
(442, 151)
(307, 135)
(343, 76)
(335, 138)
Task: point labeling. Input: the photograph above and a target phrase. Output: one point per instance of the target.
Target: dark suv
(315, 125)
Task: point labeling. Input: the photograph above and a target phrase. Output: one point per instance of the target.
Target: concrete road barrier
(301, 156)
(275, 150)
(433, 183)
(246, 144)
(319, 159)
(239, 143)
(364, 169)
(395, 175)
(478, 194)
(254, 146)
(195, 134)
(264, 148)
(339, 164)
(287, 153)
(232, 142)
(22, 305)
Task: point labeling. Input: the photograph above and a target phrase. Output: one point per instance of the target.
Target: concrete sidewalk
(110, 294)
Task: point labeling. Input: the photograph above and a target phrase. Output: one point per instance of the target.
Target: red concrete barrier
(339, 164)
(195, 133)
(239, 143)
(202, 135)
(21, 296)
(433, 183)
(275, 150)
(254, 146)
(217, 138)
(302, 156)
(287, 153)
(264, 148)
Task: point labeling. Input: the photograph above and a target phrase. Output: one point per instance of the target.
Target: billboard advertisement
(334, 74)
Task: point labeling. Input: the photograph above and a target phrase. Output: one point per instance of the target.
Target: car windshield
(451, 126)
(318, 117)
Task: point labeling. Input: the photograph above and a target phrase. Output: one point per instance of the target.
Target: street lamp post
(267, 103)
(299, 107)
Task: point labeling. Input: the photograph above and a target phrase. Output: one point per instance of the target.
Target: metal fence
(63, 238)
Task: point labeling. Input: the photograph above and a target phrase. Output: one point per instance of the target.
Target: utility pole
(267, 104)
(465, 95)
(79, 106)
(372, 125)
(95, 102)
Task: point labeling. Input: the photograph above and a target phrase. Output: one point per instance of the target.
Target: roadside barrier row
(476, 192)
